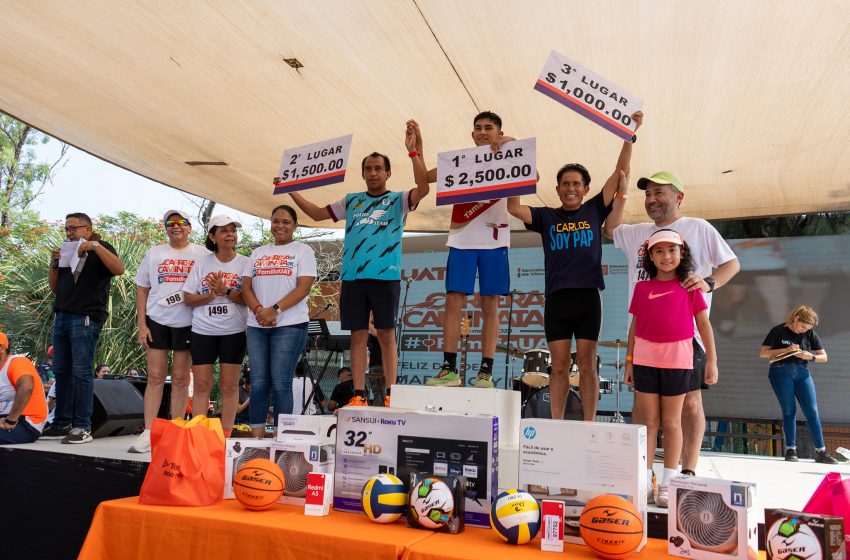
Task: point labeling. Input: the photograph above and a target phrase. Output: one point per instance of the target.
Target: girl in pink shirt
(659, 361)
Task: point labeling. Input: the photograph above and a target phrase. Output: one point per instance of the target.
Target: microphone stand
(309, 371)
(399, 327)
(508, 344)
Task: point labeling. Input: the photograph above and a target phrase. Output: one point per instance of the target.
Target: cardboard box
(295, 428)
(237, 452)
(574, 462)
(374, 440)
(319, 494)
(803, 535)
(711, 519)
(297, 461)
(461, 400)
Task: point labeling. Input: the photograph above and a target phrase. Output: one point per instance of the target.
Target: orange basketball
(611, 526)
(258, 484)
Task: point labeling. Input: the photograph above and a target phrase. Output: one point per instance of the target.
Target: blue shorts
(490, 264)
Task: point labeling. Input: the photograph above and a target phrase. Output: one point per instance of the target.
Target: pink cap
(663, 235)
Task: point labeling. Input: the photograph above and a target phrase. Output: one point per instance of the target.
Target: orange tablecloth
(123, 529)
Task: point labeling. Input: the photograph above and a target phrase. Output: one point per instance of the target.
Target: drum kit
(533, 382)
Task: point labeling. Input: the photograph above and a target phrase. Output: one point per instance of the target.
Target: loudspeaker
(118, 410)
(164, 412)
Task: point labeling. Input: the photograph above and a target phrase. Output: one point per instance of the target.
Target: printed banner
(589, 95)
(475, 174)
(313, 165)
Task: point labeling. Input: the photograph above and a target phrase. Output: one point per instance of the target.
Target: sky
(91, 185)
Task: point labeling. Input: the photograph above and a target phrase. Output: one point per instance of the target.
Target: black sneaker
(791, 455)
(78, 435)
(688, 472)
(825, 458)
(56, 432)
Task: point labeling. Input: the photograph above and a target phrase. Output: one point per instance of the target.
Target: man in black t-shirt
(344, 390)
(81, 308)
(572, 251)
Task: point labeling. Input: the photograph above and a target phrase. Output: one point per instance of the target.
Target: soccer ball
(431, 503)
(792, 539)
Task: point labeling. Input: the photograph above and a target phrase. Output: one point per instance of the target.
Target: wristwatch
(227, 292)
(276, 307)
(94, 245)
(710, 281)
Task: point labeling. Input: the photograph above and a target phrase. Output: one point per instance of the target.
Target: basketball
(258, 484)
(384, 498)
(515, 516)
(611, 526)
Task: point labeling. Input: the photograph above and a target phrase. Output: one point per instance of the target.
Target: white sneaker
(661, 495)
(142, 443)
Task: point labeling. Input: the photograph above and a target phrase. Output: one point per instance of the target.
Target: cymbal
(613, 343)
(617, 365)
(512, 351)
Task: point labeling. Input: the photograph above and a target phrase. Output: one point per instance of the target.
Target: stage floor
(780, 484)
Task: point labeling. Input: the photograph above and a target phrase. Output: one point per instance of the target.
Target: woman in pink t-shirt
(659, 361)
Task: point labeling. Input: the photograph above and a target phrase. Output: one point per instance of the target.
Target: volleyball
(384, 498)
(515, 516)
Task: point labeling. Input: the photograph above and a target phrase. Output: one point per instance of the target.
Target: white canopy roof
(745, 100)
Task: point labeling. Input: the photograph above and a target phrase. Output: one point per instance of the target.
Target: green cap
(662, 178)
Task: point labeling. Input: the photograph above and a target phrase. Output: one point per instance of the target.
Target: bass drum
(539, 405)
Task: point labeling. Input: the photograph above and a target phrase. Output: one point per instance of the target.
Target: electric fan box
(711, 519)
(574, 462)
(375, 440)
(237, 452)
(460, 400)
(297, 460)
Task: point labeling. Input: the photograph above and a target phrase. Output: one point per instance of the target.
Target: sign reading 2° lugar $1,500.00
(475, 174)
(313, 165)
(589, 95)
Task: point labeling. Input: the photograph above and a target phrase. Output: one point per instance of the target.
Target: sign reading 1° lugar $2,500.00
(314, 165)
(475, 174)
(589, 95)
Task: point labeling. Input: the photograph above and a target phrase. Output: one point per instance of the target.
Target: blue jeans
(74, 343)
(793, 380)
(273, 354)
(22, 433)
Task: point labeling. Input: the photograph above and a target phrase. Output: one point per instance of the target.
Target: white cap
(663, 235)
(180, 213)
(221, 220)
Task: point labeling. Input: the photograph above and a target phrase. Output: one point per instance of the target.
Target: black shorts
(667, 382)
(226, 348)
(573, 312)
(699, 368)
(360, 297)
(168, 338)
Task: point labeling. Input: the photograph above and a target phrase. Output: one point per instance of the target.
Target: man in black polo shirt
(81, 307)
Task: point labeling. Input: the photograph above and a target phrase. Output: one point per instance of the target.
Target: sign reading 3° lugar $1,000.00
(589, 95)
(475, 174)
(313, 165)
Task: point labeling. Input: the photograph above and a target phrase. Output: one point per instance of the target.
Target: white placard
(589, 95)
(313, 165)
(474, 174)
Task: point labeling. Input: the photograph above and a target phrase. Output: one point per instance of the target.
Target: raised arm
(316, 213)
(413, 141)
(615, 218)
(623, 164)
(519, 210)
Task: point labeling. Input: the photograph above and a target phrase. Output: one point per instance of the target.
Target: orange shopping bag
(187, 463)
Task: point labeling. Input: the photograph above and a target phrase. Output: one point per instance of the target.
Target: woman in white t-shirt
(214, 291)
(276, 282)
(164, 320)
